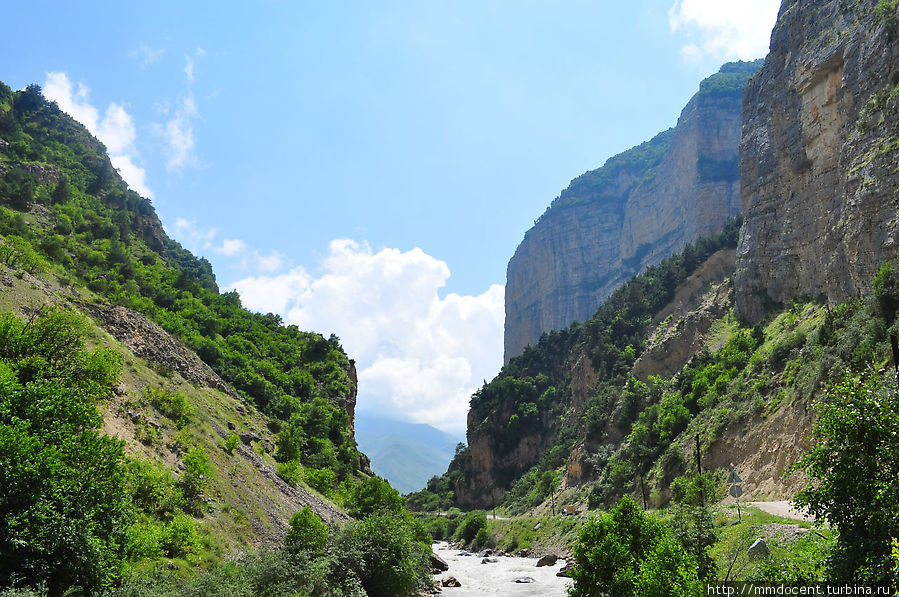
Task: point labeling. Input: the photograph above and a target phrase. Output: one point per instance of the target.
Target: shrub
(320, 479)
(852, 469)
(374, 495)
(232, 442)
(173, 405)
(195, 476)
(307, 532)
(381, 551)
(468, 529)
(627, 552)
(180, 536)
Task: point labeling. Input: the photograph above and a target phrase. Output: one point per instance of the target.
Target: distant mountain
(406, 454)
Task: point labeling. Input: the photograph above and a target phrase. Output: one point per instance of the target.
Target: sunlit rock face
(818, 157)
(638, 209)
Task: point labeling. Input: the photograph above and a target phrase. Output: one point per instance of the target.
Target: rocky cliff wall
(818, 156)
(639, 208)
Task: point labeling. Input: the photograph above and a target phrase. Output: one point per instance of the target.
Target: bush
(471, 524)
(307, 532)
(173, 405)
(180, 536)
(320, 479)
(627, 552)
(381, 551)
(374, 495)
(195, 476)
(232, 442)
(852, 469)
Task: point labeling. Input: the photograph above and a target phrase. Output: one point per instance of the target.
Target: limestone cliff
(639, 208)
(818, 156)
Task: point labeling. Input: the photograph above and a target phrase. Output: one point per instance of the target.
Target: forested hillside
(144, 414)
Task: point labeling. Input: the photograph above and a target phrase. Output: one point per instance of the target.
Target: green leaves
(63, 498)
(852, 470)
(627, 552)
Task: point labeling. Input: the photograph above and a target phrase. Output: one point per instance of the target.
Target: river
(498, 578)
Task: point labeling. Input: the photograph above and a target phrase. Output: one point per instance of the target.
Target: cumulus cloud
(116, 129)
(232, 247)
(724, 30)
(419, 356)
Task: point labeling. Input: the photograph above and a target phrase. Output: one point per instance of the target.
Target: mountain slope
(228, 418)
(640, 207)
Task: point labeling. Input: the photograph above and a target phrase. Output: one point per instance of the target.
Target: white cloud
(724, 29)
(232, 247)
(178, 134)
(116, 130)
(268, 264)
(419, 356)
(194, 238)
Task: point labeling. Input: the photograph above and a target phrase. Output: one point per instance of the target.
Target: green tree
(852, 470)
(63, 496)
(384, 554)
(627, 552)
(374, 495)
(307, 532)
(692, 523)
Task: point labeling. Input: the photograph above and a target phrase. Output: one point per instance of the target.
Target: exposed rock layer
(818, 157)
(594, 238)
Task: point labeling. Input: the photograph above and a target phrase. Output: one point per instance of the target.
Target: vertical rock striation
(818, 155)
(639, 208)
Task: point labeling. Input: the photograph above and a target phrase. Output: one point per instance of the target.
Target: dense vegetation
(80, 516)
(384, 552)
(730, 79)
(76, 512)
(65, 211)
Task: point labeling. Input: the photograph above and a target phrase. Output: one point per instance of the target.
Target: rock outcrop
(818, 156)
(639, 208)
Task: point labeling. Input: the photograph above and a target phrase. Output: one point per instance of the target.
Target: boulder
(450, 581)
(547, 560)
(489, 560)
(565, 571)
(438, 564)
(759, 549)
(524, 580)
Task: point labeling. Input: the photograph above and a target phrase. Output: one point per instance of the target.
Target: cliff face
(639, 208)
(818, 156)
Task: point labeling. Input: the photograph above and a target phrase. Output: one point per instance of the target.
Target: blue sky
(368, 168)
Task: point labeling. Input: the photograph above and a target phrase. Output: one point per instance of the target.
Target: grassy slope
(245, 509)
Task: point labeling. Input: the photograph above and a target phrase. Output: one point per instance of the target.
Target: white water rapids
(498, 578)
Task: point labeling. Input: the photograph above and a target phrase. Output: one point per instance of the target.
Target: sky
(368, 168)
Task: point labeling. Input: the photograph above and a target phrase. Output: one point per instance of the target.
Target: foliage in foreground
(385, 553)
(627, 552)
(852, 469)
(63, 499)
